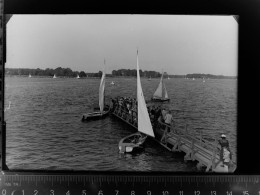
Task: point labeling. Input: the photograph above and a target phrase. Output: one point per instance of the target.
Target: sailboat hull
(95, 115)
(155, 99)
(132, 143)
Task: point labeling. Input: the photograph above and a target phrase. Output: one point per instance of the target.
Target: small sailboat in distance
(160, 95)
(135, 142)
(104, 109)
(54, 76)
(78, 77)
(30, 76)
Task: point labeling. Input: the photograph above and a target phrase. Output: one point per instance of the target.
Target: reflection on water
(44, 130)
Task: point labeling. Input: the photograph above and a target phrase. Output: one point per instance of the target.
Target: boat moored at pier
(104, 109)
(96, 115)
(132, 143)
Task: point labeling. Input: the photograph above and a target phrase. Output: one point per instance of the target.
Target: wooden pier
(195, 147)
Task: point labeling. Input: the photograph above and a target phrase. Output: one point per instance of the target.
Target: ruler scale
(15, 183)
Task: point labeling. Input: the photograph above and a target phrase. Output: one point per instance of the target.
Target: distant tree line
(59, 72)
(132, 72)
(210, 76)
(67, 72)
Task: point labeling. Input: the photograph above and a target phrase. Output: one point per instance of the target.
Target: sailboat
(135, 142)
(78, 77)
(160, 95)
(103, 109)
(54, 76)
(30, 75)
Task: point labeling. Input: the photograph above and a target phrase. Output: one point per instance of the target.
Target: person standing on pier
(168, 119)
(223, 144)
(226, 157)
(164, 112)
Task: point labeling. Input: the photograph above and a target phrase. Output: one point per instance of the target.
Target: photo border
(248, 21)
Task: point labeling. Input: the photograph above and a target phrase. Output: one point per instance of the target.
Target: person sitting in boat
(223, 144)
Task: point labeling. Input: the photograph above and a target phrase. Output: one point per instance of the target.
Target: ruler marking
(107, 182)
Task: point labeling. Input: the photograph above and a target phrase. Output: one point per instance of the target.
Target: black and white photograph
(122, 92)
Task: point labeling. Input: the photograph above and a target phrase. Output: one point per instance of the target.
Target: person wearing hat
(223, 144)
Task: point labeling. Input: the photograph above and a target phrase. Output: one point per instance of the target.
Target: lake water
(44, 128)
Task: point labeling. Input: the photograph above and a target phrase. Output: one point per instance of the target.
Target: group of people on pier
(159, 113)
(156, 113)
(126, 104)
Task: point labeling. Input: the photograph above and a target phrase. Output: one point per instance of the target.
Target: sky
(176, 44)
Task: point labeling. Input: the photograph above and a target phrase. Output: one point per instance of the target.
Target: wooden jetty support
(195, 146)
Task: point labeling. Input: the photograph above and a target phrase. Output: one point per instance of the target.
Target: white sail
(165, 92)
(159, 90)
(101, 92)
(144, 123)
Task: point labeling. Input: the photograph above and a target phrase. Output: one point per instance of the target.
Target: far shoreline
(173, 77)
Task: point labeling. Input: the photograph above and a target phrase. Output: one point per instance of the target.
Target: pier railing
(195, 145)
(129, 116)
